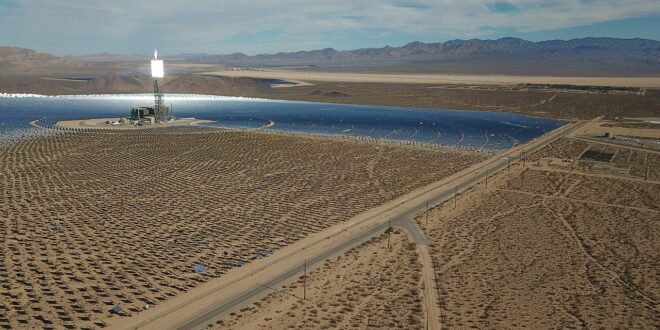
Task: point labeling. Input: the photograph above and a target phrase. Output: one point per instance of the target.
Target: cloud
(206, 24)
(502, 6)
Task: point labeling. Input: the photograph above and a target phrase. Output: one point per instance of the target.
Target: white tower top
(157, 70)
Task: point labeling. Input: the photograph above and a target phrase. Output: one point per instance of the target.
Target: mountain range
(637, 51)
(587, 56)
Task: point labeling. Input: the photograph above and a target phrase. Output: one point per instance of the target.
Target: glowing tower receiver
(158, 73)
(157, 66)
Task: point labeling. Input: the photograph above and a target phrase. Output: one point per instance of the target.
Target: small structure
(199, 268)
(116, 309)
(140, 113)
(143, 115)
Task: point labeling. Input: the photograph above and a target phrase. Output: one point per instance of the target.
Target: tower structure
(161, 112)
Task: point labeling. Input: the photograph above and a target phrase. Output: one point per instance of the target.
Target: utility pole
(487, 173)
(389, 232)
(305, 282)
(427, 214)
(508, 166)
(455, 190)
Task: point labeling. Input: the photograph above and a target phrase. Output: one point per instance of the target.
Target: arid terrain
(567, 238)
(592, 57)
(554, 101)
(131, 219)
(135, 219)
(102, 219)
(369, 286)
(602, 79)
(439, 79)
(545, 100)
(387, 164)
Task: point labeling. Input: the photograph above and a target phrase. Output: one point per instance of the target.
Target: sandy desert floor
(310, 76)
(367, 287)
(94, 220)
(556, 244)
(562, 102)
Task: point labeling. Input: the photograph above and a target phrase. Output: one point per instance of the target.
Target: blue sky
(76, 27)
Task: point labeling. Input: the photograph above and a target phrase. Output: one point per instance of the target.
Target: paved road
(645, 146)
(399, 216)
(234, 303)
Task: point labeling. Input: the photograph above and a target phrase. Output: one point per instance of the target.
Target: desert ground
(567, 238)
(369, 286)
(95, 220)
(439, 79)
(564, 238)
(563, 102)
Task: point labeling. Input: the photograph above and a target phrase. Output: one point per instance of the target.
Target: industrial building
(143, 114)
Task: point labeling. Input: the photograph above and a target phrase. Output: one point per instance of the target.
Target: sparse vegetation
(545, 100)
(369, 287)
(556, 244)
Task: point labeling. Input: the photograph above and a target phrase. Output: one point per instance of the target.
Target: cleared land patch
(638, 163)
(551, 245)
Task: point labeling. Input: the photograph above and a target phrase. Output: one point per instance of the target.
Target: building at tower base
(159, 113)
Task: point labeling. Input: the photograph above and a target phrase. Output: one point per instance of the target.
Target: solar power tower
(161, 112)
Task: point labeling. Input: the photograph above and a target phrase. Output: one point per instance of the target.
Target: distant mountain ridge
(19, 59)
(15, 60)
(587, 56)
(605, 50)
(17, 53)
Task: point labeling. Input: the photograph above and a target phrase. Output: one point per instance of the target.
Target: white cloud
(203, 24)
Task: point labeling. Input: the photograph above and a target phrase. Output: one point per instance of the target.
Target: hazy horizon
(260, 27)
(149, 52)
